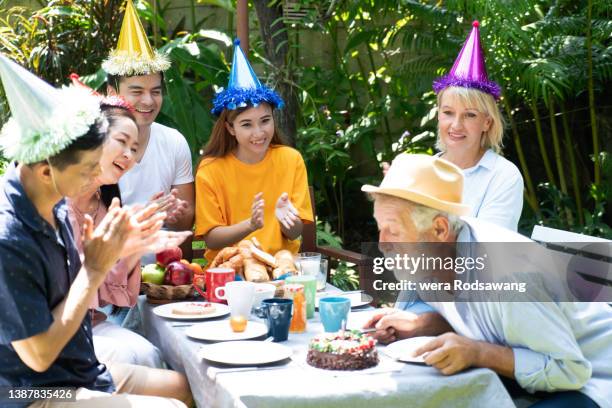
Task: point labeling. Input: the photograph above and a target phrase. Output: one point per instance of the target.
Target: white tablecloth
(295, 384)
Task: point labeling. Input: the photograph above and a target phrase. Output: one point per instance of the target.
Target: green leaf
(217, 36)
(360, 38)
(95, 80)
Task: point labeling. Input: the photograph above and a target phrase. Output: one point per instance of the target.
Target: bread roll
(285, 264)
(255, 271)
(263, 257)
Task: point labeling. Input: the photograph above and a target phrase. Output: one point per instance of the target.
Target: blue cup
(333, 310)
(277, 314)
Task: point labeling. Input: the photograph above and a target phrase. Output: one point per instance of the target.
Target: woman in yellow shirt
(248, 183)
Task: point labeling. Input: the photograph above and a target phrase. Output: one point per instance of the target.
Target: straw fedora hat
(426, 180)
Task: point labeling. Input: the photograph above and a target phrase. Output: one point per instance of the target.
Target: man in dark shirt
(45, 290)
(38, 264)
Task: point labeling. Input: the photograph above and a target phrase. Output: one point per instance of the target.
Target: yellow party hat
(134, 55)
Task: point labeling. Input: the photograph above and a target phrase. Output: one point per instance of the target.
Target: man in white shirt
(135, 72)
(164, 158)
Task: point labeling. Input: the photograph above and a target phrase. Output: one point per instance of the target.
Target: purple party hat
(469, 70)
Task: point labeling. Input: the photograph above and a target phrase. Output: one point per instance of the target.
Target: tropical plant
(54, 40)
(344, 276)
(382, 73)
(326, 236)
(51, 41)
(367, 96)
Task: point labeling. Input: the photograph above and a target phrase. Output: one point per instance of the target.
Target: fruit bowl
(159, 294)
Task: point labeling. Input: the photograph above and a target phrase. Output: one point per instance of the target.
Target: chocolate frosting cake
(348, 350)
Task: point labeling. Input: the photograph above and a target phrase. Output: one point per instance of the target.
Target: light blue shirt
(493, 189)
(556, 345)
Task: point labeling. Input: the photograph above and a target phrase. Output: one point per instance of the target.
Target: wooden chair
(363, 264)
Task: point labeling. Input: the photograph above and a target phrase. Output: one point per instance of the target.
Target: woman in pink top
(121, 287)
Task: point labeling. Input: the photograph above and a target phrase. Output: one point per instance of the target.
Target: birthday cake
(348, 350)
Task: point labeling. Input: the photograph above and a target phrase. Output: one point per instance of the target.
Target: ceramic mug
(239, 296)
(277, 313)
(334, 310)
(216, 278)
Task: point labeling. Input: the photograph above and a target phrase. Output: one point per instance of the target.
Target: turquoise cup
(334, 310)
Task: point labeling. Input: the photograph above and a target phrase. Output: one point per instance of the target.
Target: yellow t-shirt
(225, 188)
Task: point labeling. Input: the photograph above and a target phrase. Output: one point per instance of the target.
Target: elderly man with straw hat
(559, 350)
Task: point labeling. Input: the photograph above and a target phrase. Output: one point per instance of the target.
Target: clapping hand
(102, 245)
(147, 235)
(164, 239)
(257, 212)
(285, 212)
(169, 203)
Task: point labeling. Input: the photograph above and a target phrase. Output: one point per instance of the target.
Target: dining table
(293, 383)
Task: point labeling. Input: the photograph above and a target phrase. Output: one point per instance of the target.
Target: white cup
(239, 296)
(309, 263)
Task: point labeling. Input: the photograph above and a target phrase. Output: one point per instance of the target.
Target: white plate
(403, 350)
(220, 330)
(244, 353)
(166, 311)
(357, 299)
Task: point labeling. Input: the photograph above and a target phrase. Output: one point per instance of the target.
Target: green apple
(153, 273)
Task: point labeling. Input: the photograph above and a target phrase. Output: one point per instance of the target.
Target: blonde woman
(470, 132)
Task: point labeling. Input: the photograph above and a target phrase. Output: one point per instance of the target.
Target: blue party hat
(244, 88)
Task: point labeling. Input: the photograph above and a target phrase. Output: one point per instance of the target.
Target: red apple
(169, 255)
(178, 273)
(167, 277)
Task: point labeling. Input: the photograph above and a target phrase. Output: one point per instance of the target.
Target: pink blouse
(122, 284)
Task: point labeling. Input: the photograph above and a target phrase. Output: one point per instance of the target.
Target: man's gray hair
(423, 216)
